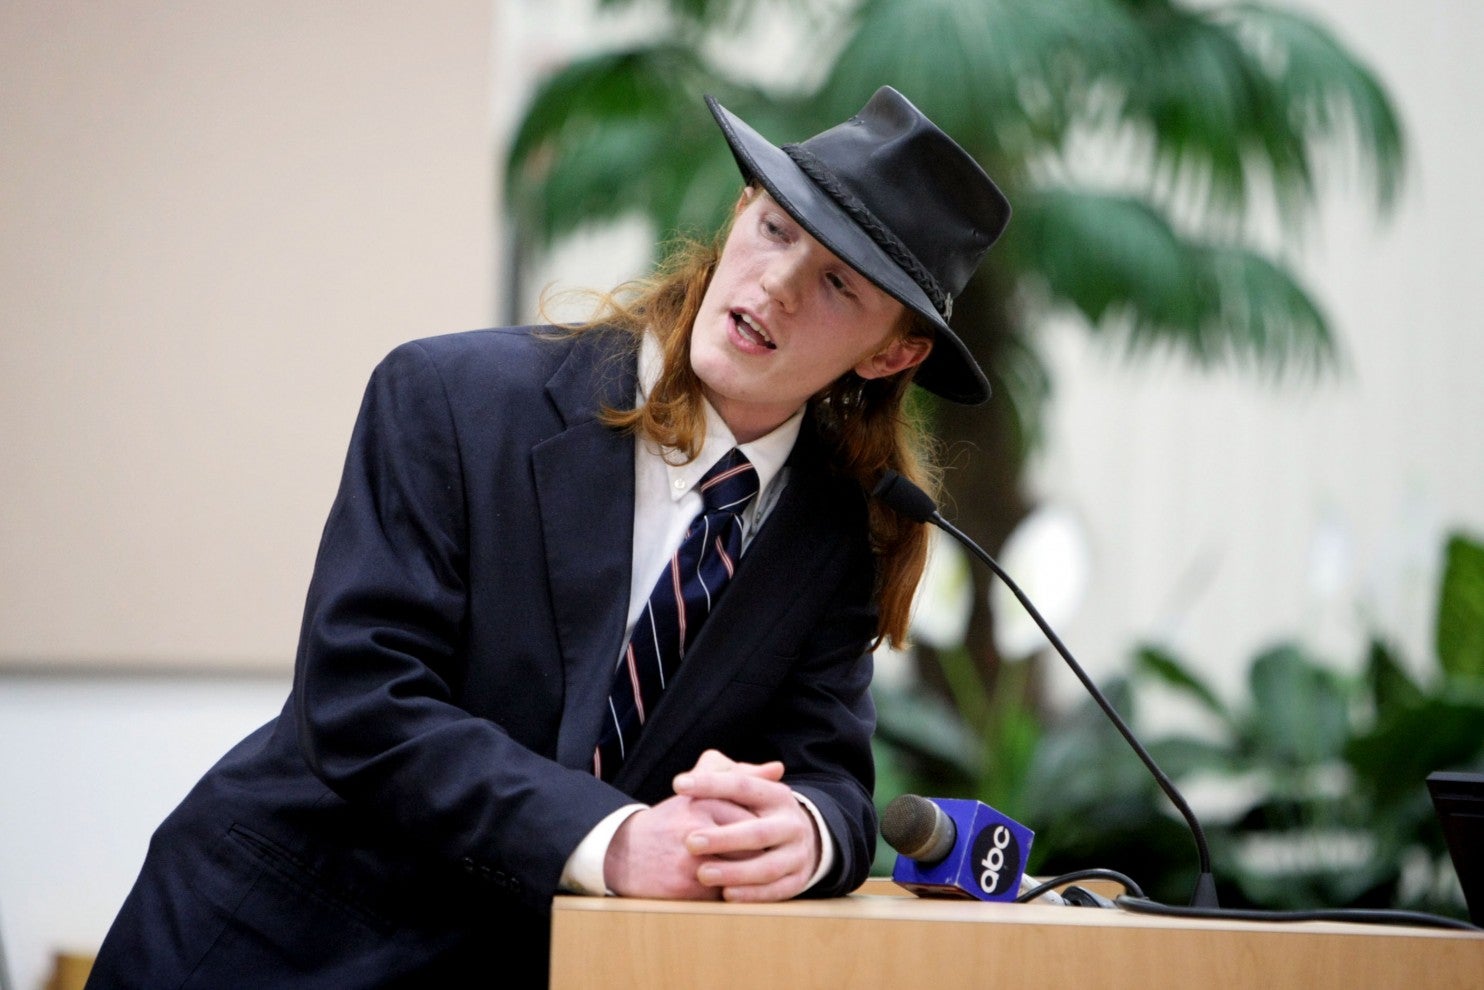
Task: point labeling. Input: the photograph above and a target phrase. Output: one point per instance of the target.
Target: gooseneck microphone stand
(902, 496)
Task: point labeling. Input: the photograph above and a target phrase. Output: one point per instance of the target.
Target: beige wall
(214, 218)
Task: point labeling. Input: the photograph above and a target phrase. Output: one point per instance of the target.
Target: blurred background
(1234, 450)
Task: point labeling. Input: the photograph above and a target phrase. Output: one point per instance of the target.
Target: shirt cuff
(826, 844)
(583, 873)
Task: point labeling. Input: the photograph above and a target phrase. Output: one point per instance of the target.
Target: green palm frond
(1330, 96)
(1234, 95)
(1005, 78)
(617, 134)
(1222, 98)
(1119, 263)
(1263, 316)
(1209, 112)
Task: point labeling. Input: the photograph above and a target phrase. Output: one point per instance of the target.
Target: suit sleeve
(382, 652)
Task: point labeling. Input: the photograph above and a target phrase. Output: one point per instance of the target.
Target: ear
(899, 354)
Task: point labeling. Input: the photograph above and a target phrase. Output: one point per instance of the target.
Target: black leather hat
(896, 199)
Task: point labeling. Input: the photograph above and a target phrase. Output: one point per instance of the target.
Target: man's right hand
(648, 856)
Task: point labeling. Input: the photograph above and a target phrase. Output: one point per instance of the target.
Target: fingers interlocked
(767, 855)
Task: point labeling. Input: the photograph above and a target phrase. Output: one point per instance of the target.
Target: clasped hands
(731, 831)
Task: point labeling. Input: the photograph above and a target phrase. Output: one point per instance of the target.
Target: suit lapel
(584, 479)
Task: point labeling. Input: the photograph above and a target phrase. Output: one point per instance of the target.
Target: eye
(773, 226)
(839, 284)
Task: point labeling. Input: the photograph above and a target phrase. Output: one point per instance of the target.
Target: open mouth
(751, 331)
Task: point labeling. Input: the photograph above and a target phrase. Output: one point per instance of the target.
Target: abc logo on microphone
(996, 855)
(986, 861)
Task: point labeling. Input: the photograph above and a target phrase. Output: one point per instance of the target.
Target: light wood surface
(69, 971)
(881, 940)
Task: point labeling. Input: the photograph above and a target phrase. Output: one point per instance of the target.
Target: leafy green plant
(1320, 774)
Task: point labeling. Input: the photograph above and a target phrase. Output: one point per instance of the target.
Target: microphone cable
(1136, 901)
(1093, 873)
(1364, 916)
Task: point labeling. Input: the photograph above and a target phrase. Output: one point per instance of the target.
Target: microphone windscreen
(901, 495)
(918, 829)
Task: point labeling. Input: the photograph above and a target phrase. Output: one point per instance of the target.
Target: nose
(781, 280)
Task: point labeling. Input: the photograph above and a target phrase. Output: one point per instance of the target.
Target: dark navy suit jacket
(408, 815)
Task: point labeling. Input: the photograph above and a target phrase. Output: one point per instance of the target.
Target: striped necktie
(684, 595)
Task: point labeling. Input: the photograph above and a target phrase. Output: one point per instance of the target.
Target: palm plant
(1135, 139)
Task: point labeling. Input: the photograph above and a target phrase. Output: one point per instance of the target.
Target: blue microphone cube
(987, 860)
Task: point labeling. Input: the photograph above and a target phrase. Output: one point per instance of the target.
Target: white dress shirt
(665, 502)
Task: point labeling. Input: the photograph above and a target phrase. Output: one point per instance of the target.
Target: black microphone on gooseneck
(902, 496)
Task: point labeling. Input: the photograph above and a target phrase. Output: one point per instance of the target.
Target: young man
(593, 607)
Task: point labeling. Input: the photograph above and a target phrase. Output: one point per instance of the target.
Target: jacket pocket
(297, 876)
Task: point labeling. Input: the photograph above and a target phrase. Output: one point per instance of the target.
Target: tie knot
(730, 483)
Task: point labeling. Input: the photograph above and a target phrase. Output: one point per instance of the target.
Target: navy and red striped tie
(684, 595)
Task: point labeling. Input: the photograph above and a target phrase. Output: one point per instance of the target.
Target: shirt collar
(768, 453)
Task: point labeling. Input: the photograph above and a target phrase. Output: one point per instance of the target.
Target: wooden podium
(876, 939)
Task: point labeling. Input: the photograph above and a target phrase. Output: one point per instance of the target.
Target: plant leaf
(1300, 715)
(1324, 93)
(1460, 630)
(619, 133)
(1120, 263)
(1391, 687)
(1004, 78)
(925, 729)
(1394, 759)
(1169, 670)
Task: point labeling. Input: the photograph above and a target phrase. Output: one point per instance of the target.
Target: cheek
(863, 335)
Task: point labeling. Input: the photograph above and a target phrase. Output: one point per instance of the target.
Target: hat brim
(949, 369)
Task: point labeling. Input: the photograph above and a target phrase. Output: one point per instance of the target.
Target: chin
(710, 364)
